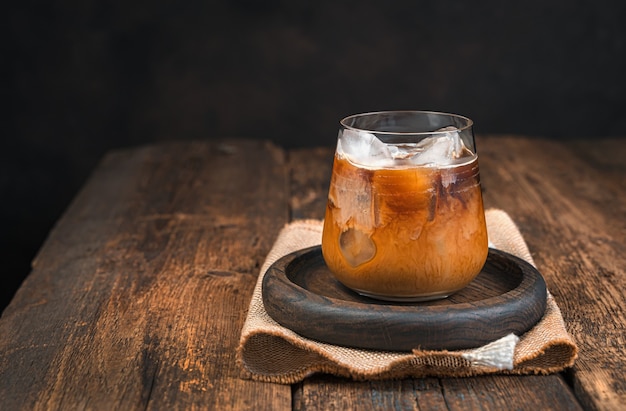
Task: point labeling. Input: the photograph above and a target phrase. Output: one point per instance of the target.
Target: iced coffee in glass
(404, 219)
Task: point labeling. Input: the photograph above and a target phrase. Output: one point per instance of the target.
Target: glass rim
(468, 120)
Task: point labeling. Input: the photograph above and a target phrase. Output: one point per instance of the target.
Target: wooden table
(137, 298)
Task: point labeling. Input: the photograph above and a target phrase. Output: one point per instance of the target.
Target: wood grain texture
(309, 181)
(570, 204)
(138, 297)
(481, 393)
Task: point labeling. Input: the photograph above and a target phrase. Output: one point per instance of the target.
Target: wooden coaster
(300, 293)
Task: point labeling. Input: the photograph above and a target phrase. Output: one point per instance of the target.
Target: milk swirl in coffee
(404, 220)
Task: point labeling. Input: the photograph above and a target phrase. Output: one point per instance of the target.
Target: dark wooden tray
(300, 293)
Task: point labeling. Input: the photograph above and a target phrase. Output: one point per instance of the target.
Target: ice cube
(404, 151)
(352, 198)
(440, 149)
(356, 246)
(363, 148)
(367, 150)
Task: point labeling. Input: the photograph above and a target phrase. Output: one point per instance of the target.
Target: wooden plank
(309, 181)
(138, 296)
(323, 392)
(331, 393)
(570, 203)
(144, 249)
(483, 393)
(530, 392)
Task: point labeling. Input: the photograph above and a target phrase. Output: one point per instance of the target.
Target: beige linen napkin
(271, 352)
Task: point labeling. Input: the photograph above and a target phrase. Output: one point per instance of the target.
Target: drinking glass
(405, 219)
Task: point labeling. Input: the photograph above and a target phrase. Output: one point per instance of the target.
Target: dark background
(80, 77)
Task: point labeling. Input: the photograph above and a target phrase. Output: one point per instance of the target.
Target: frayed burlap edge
(272, 353)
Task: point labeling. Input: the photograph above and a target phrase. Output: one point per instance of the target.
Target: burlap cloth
(271, 352)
